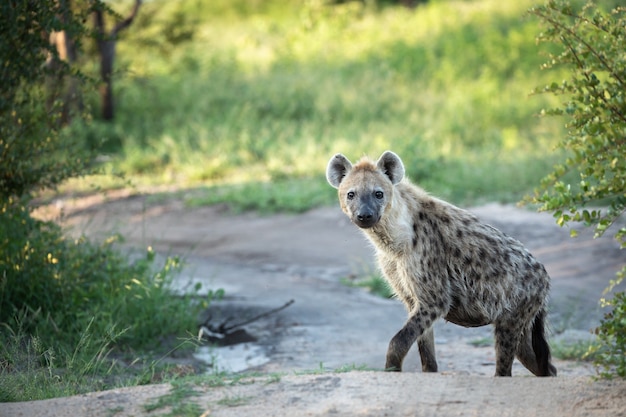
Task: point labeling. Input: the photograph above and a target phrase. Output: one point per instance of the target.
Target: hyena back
(441, 261)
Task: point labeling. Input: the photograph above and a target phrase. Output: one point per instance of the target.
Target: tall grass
(77, 316)
(272, 93)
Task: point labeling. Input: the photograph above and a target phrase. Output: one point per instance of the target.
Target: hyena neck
(394, 233)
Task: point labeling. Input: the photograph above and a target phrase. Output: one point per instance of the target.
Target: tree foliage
(591, 46)
(34, 153)
(75, 298)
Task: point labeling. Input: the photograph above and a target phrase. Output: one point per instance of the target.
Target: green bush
(80, 300)
(34, 154)
(591, 43)
(610, 355)
(67, 283)
(64, 305)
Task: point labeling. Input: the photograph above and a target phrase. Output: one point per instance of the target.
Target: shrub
(591, 45)
(71, 303)
(33, 100)
(611, 353)
(63, 304)
(66, 283)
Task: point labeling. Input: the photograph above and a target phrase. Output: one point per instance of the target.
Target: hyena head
(365, 189)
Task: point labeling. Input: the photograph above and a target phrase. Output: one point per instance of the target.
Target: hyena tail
(540, 346)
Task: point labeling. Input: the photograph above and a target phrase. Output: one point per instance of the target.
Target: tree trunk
(60, 86)
(106, 43)
(106, 48)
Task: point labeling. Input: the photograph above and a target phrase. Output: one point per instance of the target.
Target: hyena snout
(366, 215)
(365, 219)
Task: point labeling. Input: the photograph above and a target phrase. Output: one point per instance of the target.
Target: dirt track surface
(264, 261)
(360, 394)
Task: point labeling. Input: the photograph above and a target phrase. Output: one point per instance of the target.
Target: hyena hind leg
(426, 346)
(507, 339)
(534, 352)
(526, 355)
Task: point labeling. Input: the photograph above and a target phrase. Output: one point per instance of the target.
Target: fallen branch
(206, 329)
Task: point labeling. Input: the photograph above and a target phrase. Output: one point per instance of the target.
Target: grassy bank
(79, 316)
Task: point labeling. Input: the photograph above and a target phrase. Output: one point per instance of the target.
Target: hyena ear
(391, 165)
(338, 167)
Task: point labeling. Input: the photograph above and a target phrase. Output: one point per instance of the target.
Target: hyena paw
(393, 365)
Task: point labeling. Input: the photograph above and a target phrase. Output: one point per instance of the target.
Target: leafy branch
(592, 43)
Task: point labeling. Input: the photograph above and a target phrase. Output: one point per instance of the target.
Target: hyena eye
(350, 195)
(378, 194)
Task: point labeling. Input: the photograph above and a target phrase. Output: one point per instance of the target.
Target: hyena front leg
(426, 345)
(419, 322)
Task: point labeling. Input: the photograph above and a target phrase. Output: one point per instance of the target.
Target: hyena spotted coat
(441, 261)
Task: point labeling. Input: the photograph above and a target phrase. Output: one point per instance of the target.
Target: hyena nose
(365, 217)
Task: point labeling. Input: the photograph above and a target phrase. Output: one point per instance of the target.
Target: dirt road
(358, 394)
(264, 261)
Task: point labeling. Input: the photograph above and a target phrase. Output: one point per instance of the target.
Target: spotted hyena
(442, 261)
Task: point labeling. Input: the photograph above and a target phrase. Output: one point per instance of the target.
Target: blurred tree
(591, 43)
(406, 3)
(62, 86)
(36, 39)
(38, 82)
(106, 42)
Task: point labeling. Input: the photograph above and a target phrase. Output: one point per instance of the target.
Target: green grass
(233, 401)
(482, 341)
(178, 401)
(293, 195)
(582, 350)
(372, 281)
(257, 99)
(33, 368)
(78, 316)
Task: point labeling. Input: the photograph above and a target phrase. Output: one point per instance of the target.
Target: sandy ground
(262, 262)
(359, 394)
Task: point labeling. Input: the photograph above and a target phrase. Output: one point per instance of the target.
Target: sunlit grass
(269, 96)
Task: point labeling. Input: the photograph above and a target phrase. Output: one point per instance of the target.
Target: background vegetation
(591, 44)
(74, 315)
(260, 94)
